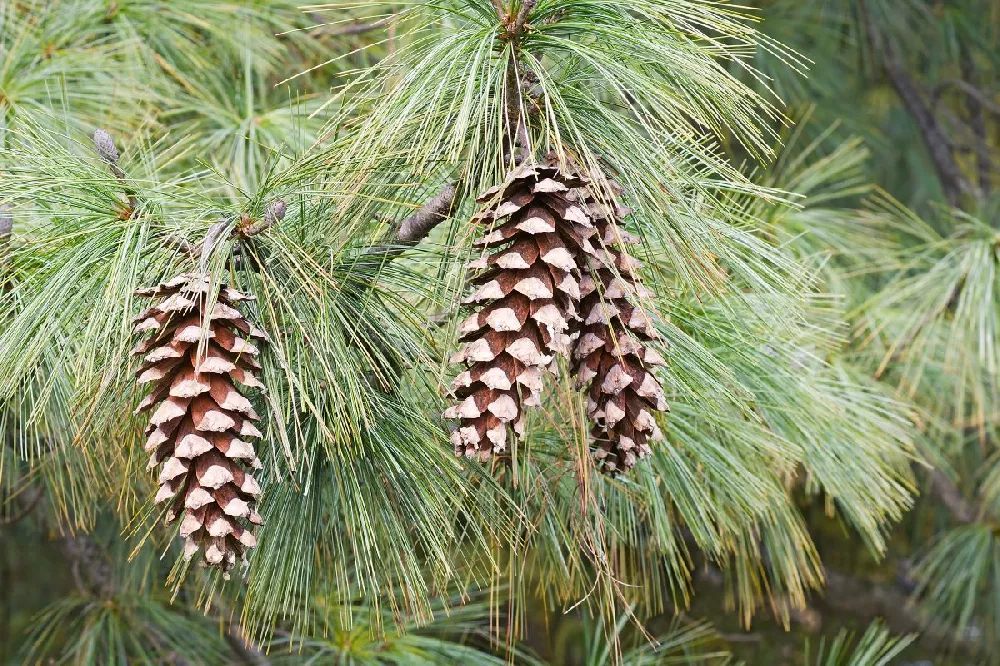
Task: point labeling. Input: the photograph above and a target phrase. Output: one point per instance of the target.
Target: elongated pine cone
(612, 352)
(527, 299)
(198, 431)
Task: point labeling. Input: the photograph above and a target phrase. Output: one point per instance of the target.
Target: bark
(416, 227)
(969, 90)
(522, 17)
(6, 224)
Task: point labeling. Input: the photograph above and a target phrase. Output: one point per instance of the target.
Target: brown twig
(184, 245)
(953, 182)
(201, 251)
(6, 224)
(974, 105)
(969, 90)
(417, 226)
(212, 237)
(275, 213)
(501, 10)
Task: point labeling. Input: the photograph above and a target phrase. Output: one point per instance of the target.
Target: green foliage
(877, 647)
(822, 338)
(958, 577)
(683, 644)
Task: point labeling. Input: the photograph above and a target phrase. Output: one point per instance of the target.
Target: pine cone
(528, 296)
(612, 353)
(198, 431)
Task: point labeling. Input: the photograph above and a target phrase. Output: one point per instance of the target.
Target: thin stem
(952, 498)
(501, 10)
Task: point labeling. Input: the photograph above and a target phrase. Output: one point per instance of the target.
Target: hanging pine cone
(612, 351)
(528, 294)
(197, 433)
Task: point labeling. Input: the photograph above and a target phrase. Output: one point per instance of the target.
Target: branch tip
(105, 147)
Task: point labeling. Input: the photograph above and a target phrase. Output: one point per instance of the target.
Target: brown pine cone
(198, 432)
(528, 292)
(612, 352)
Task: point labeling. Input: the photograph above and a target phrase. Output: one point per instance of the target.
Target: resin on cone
(527, 292)
(195, 358)
(612, 355)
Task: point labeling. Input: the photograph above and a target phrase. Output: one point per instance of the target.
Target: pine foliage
(821, 341)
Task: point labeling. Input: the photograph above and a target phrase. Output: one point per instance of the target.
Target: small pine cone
(612, 351)
(528, 295)
(198, 432)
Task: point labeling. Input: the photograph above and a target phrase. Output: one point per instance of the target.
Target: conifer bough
(194, 358)
(528, 293)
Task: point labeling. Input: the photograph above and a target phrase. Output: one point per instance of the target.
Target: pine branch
(275, 213)
(522, 17)
(868, 598)
(952, 498)
(501, 10)
(953, 182)
(182, 244)
(199, 251)
(417, 226)
(25, 511)
(968, 89)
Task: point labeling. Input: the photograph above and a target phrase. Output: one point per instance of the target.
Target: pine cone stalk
(527, 299)
(612, 355)
(194, 358)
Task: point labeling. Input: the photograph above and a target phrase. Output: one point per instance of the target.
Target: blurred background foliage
(815, 186)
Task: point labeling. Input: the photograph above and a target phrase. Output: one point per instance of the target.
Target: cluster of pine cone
(555, 280)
